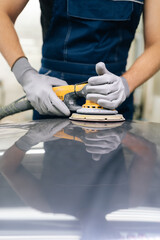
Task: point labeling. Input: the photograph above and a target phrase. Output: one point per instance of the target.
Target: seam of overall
(62, 73)
(100, 19)
(90, 64)
(136, 1)
(48, 72)
(67, 38)
(117, 48)
(62, 76)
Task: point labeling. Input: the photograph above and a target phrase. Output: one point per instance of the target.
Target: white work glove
(38, 89)
(107, 89)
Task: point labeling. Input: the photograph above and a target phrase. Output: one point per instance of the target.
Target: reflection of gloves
(108, 90)
(103, 142)
(41, 132)
(38, 89)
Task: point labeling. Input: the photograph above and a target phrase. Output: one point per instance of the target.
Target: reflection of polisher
(69, 94)
(98, 138)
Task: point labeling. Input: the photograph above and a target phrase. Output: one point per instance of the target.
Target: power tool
(69, 94)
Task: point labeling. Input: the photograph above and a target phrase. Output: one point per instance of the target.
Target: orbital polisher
(69, 94)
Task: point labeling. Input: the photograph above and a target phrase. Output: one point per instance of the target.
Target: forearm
(144, 67)
(9, 42)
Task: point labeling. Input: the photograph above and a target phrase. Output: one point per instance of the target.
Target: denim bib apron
(77, 34)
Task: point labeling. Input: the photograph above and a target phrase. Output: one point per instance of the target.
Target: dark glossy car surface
(79, 181)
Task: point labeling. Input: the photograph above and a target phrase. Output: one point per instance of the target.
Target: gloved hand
(107, 89)
(41, 132)
(38, 89)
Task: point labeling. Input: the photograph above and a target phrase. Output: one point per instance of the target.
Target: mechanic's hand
(38, 89)
(107, 89)
(42, 131)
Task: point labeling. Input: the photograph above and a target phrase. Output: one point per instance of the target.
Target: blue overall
(77, 34)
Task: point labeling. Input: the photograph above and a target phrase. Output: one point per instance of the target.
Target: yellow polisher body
(89, 111)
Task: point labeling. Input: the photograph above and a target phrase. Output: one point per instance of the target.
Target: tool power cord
(20, 105)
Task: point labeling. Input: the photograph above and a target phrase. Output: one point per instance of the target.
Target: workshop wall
(146, 97)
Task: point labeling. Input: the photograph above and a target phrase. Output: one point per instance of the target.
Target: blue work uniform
(77, 34)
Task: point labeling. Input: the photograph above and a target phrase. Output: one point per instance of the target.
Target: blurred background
(146, 97)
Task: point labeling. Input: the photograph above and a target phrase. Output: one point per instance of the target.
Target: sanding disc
(97, 125)
(97, 118)
(96, 111)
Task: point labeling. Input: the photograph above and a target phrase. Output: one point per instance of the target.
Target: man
(76, 36)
